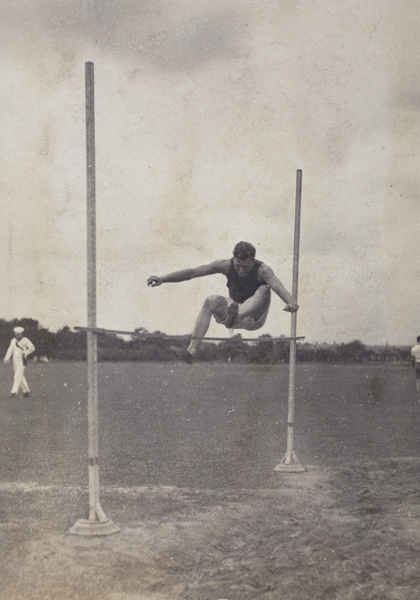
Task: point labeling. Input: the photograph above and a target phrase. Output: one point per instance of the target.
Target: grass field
(187, 457)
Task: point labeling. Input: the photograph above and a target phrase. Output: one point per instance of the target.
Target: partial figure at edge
(415, 361)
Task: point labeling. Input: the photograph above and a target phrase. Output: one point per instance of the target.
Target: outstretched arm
(218, 266)
(278, 288)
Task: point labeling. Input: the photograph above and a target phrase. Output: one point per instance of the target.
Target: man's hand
(291, 307)
(154, 281)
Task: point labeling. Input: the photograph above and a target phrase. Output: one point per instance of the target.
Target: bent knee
(263, 295)
(214, 302)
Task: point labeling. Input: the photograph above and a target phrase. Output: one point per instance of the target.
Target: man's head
(243, 258)
(244, 250)
(18, 331)
(418, 339)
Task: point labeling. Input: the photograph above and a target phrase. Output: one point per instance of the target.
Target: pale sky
(204, 112)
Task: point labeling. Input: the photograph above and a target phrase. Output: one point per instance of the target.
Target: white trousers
(19, 380)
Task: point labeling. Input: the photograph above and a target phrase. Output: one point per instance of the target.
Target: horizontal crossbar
(158, 336)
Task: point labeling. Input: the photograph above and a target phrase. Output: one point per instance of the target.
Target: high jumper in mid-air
(249, 282)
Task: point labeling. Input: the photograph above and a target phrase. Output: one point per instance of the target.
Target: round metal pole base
(86, 527)
(290, 464)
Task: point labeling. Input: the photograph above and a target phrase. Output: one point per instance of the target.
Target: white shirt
(26, 348)
(415, 351)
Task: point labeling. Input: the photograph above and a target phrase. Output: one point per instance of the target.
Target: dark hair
(244, 250)
(418, 338)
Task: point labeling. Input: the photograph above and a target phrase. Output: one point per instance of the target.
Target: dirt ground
(346, 529)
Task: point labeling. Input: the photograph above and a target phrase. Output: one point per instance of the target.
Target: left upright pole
(97, 523)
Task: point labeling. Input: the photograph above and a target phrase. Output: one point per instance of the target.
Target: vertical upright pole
(290, 462)
(92, 341)
(97, 523)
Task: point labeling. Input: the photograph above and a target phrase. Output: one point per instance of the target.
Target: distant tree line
(66, 344)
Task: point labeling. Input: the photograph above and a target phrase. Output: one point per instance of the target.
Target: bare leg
(217, 306)
(257, 305)
(213, 306)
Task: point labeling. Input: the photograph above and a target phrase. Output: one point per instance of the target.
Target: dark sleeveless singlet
(242, 288)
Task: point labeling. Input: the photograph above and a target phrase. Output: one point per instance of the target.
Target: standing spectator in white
(415, 361)
(19, 350)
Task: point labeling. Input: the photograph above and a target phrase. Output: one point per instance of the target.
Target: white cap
(18, 330)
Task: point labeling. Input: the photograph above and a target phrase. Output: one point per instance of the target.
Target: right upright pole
(290, 462)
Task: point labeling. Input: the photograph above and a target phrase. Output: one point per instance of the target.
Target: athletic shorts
(248, 323)
(417, 369)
